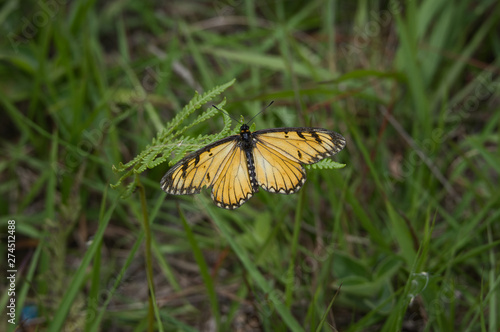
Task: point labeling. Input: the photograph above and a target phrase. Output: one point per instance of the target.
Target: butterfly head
(244, 128)
(245, 132)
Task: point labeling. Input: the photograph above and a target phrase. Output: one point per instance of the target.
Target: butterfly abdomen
(247, 143)
(251, 170)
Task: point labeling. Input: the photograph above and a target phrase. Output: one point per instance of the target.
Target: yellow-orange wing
(232, 187)
(280, 153)
(221, 165)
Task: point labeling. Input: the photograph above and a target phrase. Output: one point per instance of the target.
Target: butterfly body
(247, 146)
(237, 165)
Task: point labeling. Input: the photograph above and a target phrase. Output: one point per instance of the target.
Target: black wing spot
(299, 154)
(300, 135)
(208, 176)
(184, 170)
(316, 137)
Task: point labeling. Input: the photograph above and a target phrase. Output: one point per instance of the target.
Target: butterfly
(237, 165)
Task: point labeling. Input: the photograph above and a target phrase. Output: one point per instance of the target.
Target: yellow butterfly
(237, 165)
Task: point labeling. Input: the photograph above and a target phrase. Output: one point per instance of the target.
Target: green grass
(98, 98)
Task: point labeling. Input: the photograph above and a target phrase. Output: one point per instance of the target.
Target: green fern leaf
(170, 140)
(326, 164)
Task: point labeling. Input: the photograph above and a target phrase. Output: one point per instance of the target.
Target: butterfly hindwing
(233, 187)
(276, 172)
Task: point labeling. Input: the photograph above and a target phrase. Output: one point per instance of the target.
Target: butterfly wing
(280, 153)
(232, 187)
(278, 156)
(221, 165)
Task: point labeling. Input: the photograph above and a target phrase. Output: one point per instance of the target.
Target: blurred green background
(404, 238)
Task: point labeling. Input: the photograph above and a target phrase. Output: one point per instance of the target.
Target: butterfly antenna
(229, 115)
(265, 108)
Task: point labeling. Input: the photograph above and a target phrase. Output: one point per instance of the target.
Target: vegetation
(405, 237)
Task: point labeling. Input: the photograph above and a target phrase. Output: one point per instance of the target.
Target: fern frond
(123, 177)
(326, 164)
(157, 161)
(129, 189)
(170, 140)
(192, 106)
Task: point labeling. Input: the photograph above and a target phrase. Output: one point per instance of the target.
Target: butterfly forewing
(279, 155)
(303, 145)
(199, 169)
